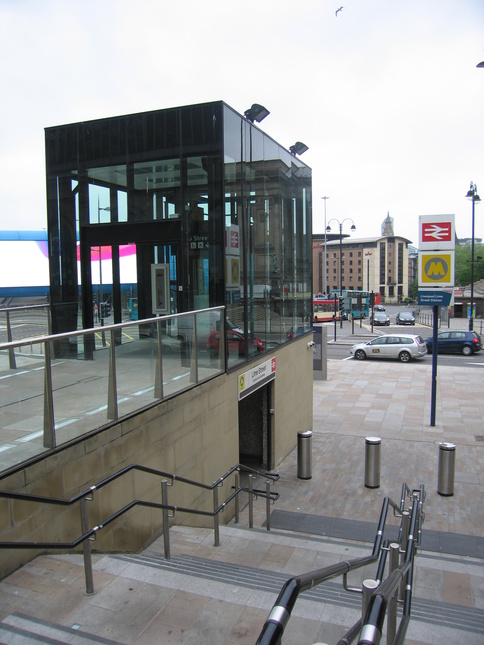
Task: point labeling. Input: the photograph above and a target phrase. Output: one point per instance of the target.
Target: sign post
(435, 273)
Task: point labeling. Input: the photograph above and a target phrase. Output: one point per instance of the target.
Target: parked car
(379, 308)
(234, 340)
(405, 318)
(294, 334)
(380, 318)
(401, 346)
(455, 342)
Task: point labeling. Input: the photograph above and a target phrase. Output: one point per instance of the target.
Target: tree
(413, 289)
(463, 258)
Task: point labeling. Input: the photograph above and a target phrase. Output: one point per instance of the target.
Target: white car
(401, 346)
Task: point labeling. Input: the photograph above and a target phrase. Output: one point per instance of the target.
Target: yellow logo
(436, 268)
(235, 272)
(241, 382)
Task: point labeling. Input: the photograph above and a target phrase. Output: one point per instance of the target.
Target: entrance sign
(436, 232)
(257, 377)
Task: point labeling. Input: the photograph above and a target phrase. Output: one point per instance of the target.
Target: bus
(323, 310)
(355, 303)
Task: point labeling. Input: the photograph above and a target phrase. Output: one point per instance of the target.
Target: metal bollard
(304, 457)
(445, 484)
(372, 462)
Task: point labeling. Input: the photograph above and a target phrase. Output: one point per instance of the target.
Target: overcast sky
(386, 93)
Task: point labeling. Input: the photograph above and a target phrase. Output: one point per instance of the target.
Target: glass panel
(128, 281)
(156, 190)
(102, 283)
(268, 237)
(86, 394)
(22, 405)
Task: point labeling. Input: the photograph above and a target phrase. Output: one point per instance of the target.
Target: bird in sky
(337, 10)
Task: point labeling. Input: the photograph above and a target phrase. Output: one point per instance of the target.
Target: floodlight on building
(256, 112)
(298, 148)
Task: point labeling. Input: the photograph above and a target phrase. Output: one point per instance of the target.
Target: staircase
(219, 595)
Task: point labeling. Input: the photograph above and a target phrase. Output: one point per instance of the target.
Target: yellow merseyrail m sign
(436, 269)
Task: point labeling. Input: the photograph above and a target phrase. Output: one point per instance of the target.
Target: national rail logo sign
(436, 232)
(436, 269)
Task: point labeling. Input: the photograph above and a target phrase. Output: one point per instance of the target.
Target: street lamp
(353, 228)
(474, 197)
(325, 238)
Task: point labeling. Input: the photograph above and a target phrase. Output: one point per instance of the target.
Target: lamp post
(325, 238)
(353, 228)
(474, 197)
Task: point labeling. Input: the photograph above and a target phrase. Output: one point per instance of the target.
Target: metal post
(86, 549)
(251, 503)
(194, 353)
(112, 412)
(158, 389)
(341, 268)
(237, 504)
(216, 532)
(392, 606)
(49, 425)
(325, 238)
(446, 469)
(433, 401)
(403, 547)
(11, 351)
(304, 456)
(268, 505)
(471, 316)
(166, 526)
(368, 588)
(372, 462)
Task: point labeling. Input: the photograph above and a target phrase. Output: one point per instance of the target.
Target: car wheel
(213, 352)
(405, 357)
(429, 349)
(466, 350)
(360, 355)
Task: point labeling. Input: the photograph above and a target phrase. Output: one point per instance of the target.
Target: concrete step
(19, 629)
(466, 619)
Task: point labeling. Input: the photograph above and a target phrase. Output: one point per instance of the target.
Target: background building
(367, 264)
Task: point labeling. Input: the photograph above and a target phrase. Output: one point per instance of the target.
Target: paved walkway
(222, 595)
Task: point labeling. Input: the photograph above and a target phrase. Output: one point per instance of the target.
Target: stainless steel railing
(379, 596)
(89, 533)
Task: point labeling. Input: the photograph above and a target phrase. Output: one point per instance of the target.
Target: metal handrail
(115, 326)
(374, 606)
(89, 534)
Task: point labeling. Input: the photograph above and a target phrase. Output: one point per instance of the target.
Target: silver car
(401, 346)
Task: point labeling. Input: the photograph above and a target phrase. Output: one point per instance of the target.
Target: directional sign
(436, 269)
(434, 298)
(436, 232)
